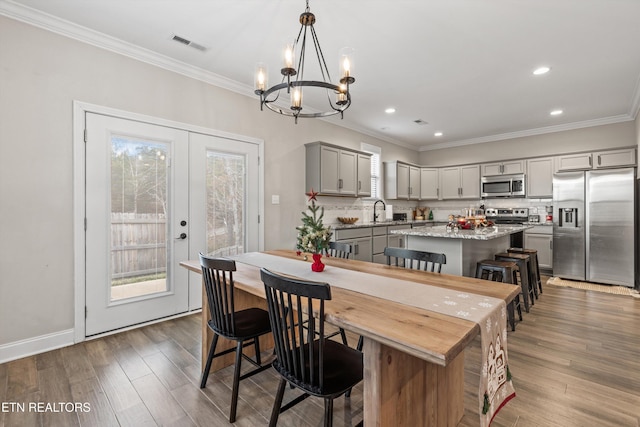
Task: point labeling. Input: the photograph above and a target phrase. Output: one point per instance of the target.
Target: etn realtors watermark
(52, 407)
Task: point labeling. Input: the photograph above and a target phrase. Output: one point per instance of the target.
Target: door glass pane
(139, 194)
(225, 203)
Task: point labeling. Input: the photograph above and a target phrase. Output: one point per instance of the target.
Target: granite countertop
(340, 226)
(486, 234)
(544, 223)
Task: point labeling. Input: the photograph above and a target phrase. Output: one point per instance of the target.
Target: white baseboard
(19, 349)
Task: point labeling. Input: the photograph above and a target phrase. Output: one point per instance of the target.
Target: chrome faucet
(384, 208)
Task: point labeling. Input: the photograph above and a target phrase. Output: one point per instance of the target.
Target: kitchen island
(464, 248)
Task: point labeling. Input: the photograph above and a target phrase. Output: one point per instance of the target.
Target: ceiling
(465, 67)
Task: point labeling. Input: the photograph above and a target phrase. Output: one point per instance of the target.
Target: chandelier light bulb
(289, 58)
(346, 65)
(261, 78)
(296, 99)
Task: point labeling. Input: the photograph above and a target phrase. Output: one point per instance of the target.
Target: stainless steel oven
(503, 186)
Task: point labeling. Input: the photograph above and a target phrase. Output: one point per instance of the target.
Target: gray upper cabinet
(460, 182)
(333, 170)
(597, 160)
(572, 162)
(614, 158)
(540, 177)
(503, 168)
(364, 175)
(429, 183)
(401, 181)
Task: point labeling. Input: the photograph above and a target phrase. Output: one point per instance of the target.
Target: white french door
(225, 197)
(137, 198)
(156, 194)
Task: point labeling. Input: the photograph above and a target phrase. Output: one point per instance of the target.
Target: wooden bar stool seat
(523, 262)
(535, 267)
(506, 272)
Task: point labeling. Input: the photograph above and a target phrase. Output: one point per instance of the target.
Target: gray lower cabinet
(382, 239)
(379, 243)
(541, 238)
(369, 242)
(360, 239)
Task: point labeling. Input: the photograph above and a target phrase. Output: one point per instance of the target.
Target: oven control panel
(507, 212)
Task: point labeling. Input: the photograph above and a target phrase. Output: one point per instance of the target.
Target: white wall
(550, 144)
(41, 74)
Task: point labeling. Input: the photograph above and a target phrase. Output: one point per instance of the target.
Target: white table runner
(496, 388)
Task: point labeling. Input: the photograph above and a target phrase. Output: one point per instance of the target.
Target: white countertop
(439, 231)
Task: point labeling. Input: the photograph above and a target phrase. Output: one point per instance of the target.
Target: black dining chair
(340, 250)
(343, 251)
(419, 260)
(243, 326)
(305, 358)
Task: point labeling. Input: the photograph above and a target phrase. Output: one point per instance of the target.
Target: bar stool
(523, 273)
(535, 268)
(506, 272)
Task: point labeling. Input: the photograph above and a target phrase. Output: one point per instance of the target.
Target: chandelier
(338, 96)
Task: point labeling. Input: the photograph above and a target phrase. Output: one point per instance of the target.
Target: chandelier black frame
(340, 92)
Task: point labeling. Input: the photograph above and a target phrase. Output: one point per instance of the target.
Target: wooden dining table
(413, 357)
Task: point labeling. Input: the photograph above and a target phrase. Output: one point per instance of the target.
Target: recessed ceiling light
(556, 112)
(390, 110)
(437, 134)
(541, 70)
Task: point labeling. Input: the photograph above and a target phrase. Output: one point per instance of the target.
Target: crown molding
(85, 35)
(531, 132)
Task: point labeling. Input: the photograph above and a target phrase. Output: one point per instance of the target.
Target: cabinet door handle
(359, 185)
(340, 183)
(437, 192)
(357, 247)
(599, 163)
(590, 161)
(551, 244)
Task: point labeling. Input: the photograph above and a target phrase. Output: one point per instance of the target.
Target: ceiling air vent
(420, 122)
(188, 43)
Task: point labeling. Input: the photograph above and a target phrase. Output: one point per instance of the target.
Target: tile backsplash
(335, 207)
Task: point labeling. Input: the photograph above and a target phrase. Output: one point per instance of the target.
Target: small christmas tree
(313, 236)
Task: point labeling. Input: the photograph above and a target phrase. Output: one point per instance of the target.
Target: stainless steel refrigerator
(593, 226)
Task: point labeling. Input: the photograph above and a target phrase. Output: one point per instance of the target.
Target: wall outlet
(275, 199)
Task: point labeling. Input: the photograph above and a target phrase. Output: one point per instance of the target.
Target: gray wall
(41, 74)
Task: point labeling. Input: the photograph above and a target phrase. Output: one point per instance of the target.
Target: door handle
(182, 236)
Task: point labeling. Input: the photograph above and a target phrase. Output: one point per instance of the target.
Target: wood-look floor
(575, 360)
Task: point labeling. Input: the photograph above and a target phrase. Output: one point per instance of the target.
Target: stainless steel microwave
(503, 186)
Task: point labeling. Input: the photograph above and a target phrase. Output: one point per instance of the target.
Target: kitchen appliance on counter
(503, 186)
(593, 226)
(400, 216)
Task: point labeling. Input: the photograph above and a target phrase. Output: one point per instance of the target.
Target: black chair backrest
(217, 275)
(291, 304)
(420, 260)
(340, 250)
